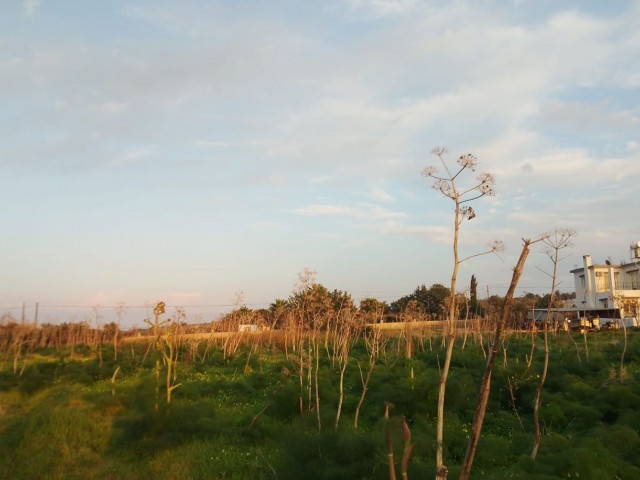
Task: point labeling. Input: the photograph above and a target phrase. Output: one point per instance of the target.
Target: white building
(613, 289)
(249, 327)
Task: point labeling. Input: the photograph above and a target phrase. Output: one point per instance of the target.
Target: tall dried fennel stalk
(447, 184)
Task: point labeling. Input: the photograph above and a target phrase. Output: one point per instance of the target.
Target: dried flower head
(439, 151)
(429, 171)
(497, 246)
(487, 182)
(468, 213)
(468, 161)
(444, 186)
(159, 308)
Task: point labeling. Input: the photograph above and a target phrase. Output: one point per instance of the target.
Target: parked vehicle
(585, 324)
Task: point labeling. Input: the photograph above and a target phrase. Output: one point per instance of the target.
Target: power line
(524, 289)
(126, 306)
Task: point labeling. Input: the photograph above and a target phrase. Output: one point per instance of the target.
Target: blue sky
(190, 150)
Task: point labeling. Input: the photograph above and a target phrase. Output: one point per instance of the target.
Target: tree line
(423, 304)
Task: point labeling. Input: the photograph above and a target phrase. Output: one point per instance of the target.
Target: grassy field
(253, 414)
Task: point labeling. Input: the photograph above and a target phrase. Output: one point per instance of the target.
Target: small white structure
(608, 286)
(628, 322)
(247, 328)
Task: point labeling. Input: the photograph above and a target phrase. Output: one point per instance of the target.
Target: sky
(204, 153)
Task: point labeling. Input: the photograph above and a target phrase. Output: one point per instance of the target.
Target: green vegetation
(251, 412)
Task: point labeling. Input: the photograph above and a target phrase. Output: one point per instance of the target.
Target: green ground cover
(67, 417)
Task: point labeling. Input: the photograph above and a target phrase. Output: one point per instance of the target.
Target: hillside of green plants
(287, 405)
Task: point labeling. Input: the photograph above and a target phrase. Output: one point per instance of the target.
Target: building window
(633, 279)
(602, 282)
(583, 284)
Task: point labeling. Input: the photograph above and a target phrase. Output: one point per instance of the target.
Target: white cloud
(111, 108)
(381, 8)
(361, 211)
(589, 117)
(325, 209)
(437, 234)
(101, 298)
(191, 18)
(132, 155)
(383, 213)
(30, 6)
(212, 144)
(575, 168)
(182, 297)
(379, 194)
(320, 179)
(337, 117)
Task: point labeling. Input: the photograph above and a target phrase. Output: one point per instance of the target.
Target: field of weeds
(292, 407)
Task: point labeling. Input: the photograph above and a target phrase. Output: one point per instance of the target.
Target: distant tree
(492, 305)
(545, 301)
(121, 307)
(342, 303)
(520, 311)
(262, 317)
(432, 301)
(277, 313)
(373, 310)
(319, 306)
(413, 311)
(238, 316)
(475, 309)
(473, 290)
(112, 331)
(398, 306)
(438, 299)
(566, 295)
(558, 299)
